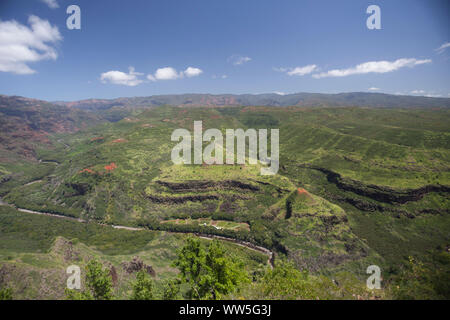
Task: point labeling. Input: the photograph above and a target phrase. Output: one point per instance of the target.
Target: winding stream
(245, 244)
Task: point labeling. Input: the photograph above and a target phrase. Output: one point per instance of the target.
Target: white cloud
(192, 72)
(373, 67)
(374, 89)
(430, 94)
(238, 60)
(298, 71)
(279, 93)
(52, 4)
(118, 77)
(423, 93)
(20, 44)
(443, 47)
(169, 73)
(301, 71)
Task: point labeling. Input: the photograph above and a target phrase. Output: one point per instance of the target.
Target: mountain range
(360, 99)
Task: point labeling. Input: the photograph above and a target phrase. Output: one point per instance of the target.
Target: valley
(356, 186)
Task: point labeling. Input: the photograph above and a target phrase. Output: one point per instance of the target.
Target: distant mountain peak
(362, 99)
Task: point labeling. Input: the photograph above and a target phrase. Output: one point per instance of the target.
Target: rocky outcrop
(379, 193)
(364, 205)
(196, 187)
(79, 188)
(5, 178)
(204, 185)
(332, 220)
(182, 199)
(137, 265)
(113, 274)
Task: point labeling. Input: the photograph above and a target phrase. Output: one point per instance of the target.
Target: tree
(98, 284)
(171, 290)
(78, 295)
(286, 282)
(143, 287)
(99, 281)
(209, 274)
(190, 262)
(418, 281)
(6, 294)
(224, 274)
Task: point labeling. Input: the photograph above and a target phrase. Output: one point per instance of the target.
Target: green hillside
(356, 187)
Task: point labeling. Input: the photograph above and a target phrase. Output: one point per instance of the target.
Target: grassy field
(35, 251)
(219, 224)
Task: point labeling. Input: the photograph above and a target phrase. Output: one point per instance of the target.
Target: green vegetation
(36, 250)
(98, 284)
(171, 290)
(210, 274)
(287, 282)
(419, 280)
(356, 187)
(6, 294)
(218, 224)
(143, 287)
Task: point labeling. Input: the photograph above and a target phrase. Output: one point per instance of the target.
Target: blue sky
(246, 46)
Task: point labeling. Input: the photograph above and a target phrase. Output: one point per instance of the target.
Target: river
(241, 243)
